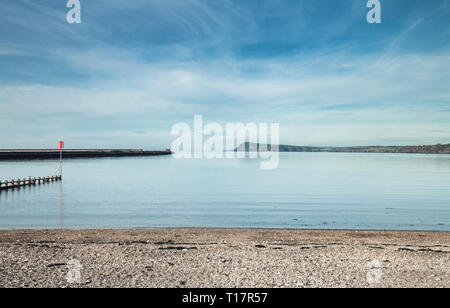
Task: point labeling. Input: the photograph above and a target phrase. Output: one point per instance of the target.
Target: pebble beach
(224, 258)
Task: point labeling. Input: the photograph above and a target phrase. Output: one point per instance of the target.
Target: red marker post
(60, 147)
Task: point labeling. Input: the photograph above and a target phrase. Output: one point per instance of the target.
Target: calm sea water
(308, 190)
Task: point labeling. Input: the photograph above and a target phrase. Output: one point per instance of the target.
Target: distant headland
(54, 154)
(415, 149)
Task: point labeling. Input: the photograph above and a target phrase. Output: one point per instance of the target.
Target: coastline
(224, 258)
(409, 149)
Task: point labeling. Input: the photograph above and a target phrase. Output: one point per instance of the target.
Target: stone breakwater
(54, 154)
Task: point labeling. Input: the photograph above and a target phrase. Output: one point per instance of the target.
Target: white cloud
(404, 94)
(323, 95)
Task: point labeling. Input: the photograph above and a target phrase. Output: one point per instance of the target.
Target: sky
(132, 69)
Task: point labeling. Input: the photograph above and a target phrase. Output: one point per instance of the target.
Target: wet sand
(225, 258)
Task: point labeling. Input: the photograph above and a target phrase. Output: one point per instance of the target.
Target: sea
(362, 191)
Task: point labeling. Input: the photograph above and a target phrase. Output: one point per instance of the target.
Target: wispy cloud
(134, 69)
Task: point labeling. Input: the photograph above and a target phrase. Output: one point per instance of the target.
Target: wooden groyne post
(4, 185)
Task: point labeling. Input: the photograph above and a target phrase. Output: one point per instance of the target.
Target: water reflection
(61, 205)
(22, 206)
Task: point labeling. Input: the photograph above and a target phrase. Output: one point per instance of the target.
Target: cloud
(140, 67)
(154, 97)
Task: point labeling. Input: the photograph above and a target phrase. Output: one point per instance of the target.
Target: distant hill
(418, 149)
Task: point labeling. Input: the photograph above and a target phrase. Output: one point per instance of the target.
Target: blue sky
(132, 69)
